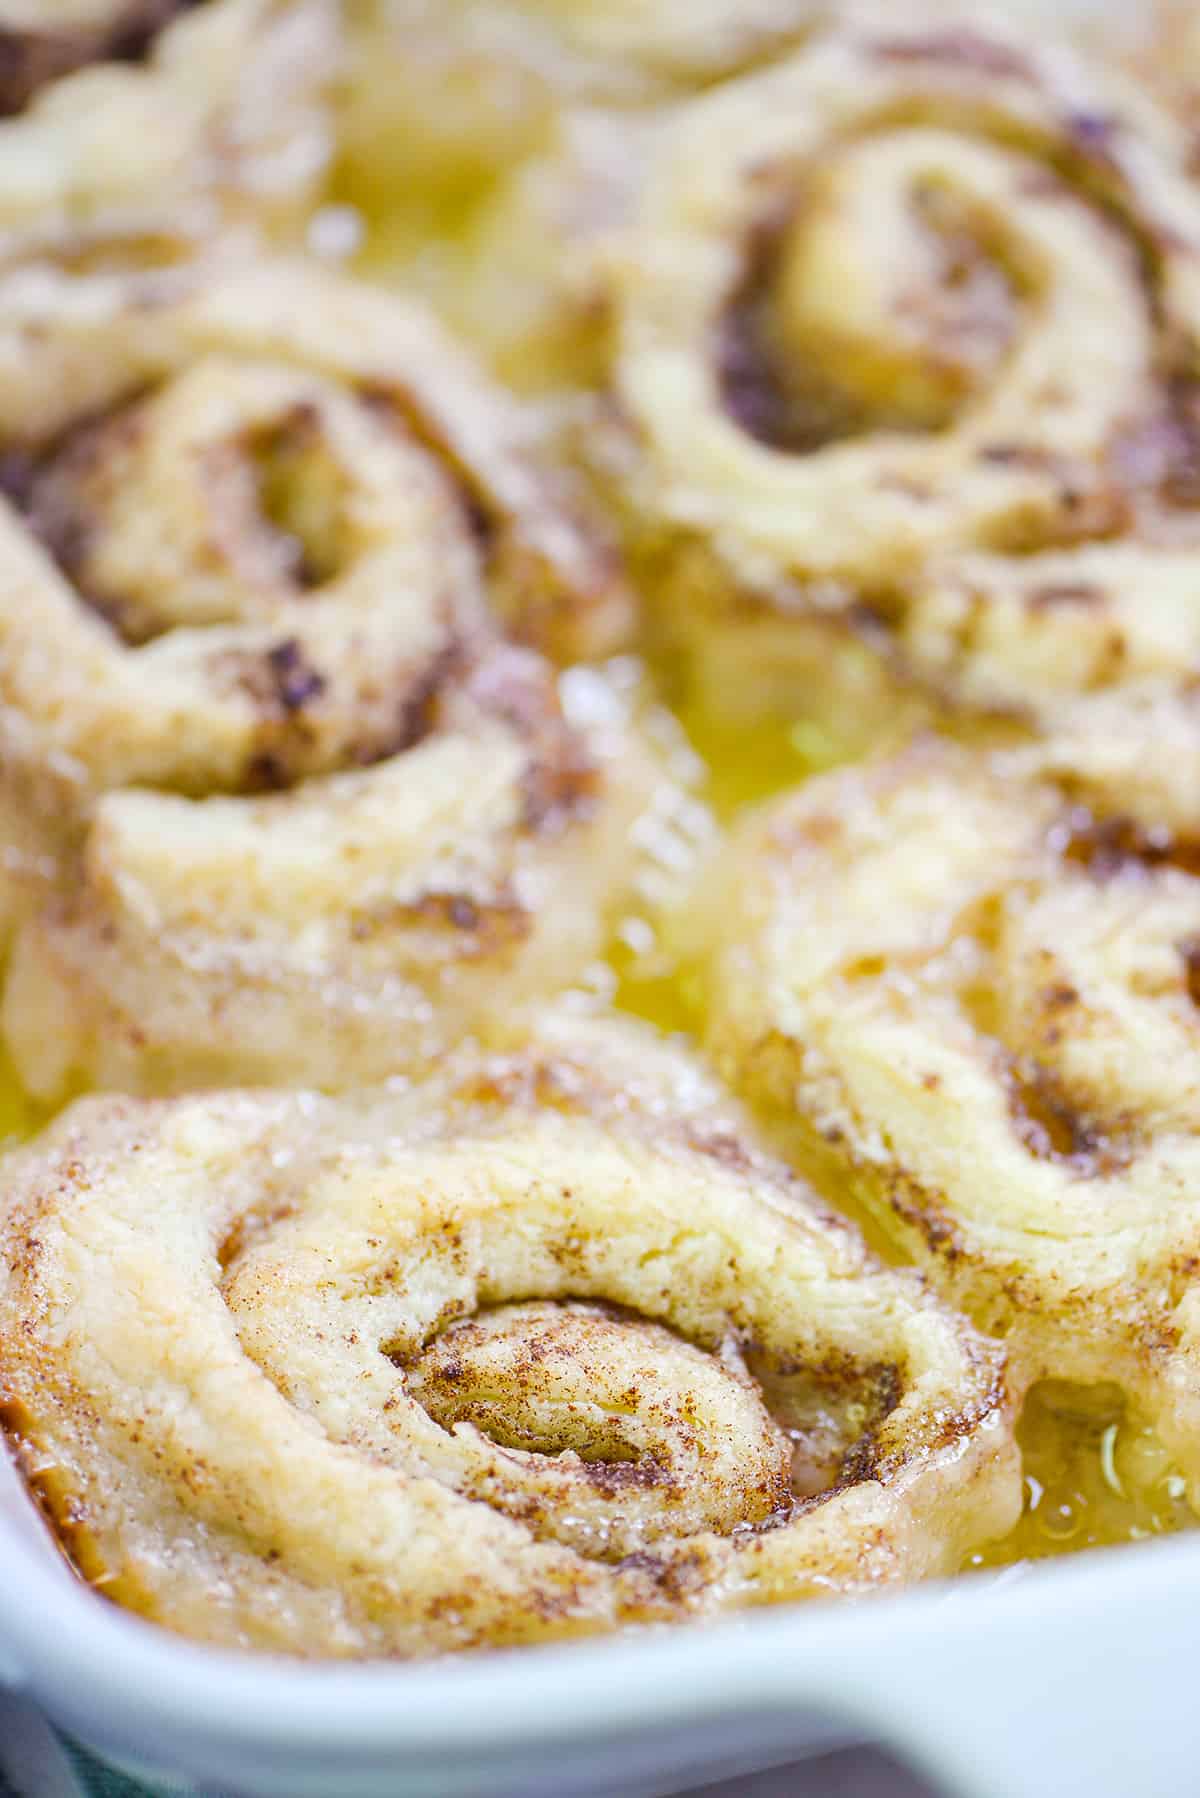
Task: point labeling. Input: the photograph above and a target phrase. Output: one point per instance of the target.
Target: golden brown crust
(531, 1349)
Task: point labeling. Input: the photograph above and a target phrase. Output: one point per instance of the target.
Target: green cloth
(99, 1781)
(37, 1763)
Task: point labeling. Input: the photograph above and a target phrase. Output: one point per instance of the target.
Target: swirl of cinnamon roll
(972, 981)
(301, 807)
(907, 328)
(113, 111)
(78, 337)
(526, 1350)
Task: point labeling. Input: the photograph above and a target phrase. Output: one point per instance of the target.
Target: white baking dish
(1070, 1680)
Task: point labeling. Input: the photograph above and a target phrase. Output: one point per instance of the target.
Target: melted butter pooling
(1095, 1474)
(19, 1117)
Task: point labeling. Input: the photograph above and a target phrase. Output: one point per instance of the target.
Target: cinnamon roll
(907, 328)
(301, 810)
(115, 112)
(81, 333)
(971, 980)
(530, 1349)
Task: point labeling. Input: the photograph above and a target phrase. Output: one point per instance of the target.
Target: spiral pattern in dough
(121, 111)
(975, 981)
(907, 331)
(306, 810)
(532, 1350)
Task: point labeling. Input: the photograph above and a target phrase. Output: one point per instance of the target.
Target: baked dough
(480, 79)
(514, 129)
(967, 986)
(123, 113)
(534, 1348)
(904, 339)
(301, 811)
